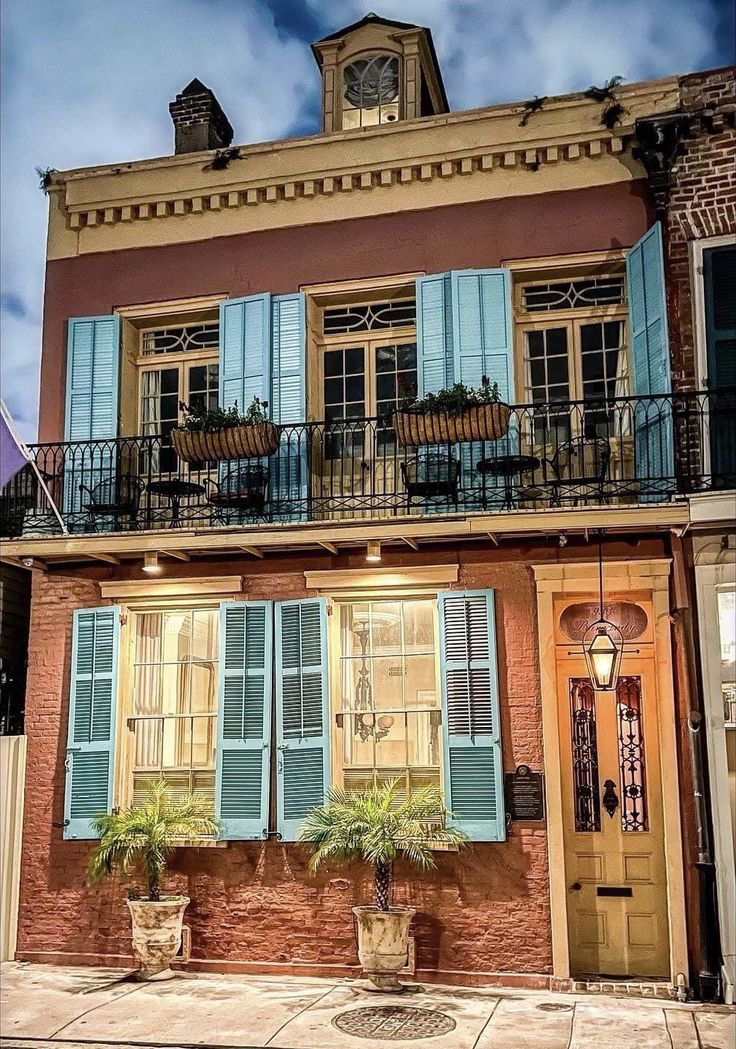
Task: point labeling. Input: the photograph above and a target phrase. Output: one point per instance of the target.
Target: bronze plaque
(631, 619)
(524, 792)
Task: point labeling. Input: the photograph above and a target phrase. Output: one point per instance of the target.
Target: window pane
(385, 358)
(333, 362)
(407, 358)
(170, 380)
(354, 361)
(334, 391)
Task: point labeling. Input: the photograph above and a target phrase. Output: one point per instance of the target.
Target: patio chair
(242, 488)
(116, 497)
(431, 476)
(578, 470)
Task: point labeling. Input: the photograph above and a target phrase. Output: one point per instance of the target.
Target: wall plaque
(631, 619)
(524, 792)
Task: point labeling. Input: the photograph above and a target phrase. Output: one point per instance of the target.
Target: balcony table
(507, 467)
(175, 490)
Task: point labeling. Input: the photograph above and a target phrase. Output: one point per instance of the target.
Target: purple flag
(13, 456)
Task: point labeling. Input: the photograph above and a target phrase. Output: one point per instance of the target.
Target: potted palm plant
(459, 413)
(225, 433)
(377, 826)
(143, 839)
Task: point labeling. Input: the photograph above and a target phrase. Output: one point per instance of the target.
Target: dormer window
(371, 91)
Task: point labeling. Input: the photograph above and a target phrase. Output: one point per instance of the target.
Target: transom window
(573, 294)
(371, 91)
(181, 339)
(387, 703)
(173, 703)
(375, 316)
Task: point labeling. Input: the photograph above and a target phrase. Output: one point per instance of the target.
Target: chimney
(199, 122)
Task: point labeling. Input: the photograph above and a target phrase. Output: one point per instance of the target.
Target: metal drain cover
(393, 1023)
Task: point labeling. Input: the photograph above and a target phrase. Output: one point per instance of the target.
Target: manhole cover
(554, 1007)
(394, 1023)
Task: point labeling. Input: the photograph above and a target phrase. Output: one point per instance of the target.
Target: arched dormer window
(371, 91)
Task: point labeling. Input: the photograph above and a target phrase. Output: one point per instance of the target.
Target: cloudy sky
(89, 82)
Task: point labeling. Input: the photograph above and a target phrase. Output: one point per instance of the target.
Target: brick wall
(702, 202)
(483, 911)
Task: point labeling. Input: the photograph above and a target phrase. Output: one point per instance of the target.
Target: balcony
(617, 452)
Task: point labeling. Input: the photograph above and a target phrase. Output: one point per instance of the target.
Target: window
(387, 699)
(371, 91)
(177, 363)
(173, 700)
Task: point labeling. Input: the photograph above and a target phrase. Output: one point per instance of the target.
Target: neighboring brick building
(426, 608)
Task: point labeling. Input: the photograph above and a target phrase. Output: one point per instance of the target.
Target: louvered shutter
(289, 476)
(483, 345)
(90, 752)
(302, 711)
(91, 415)
(470, 709)
(244, 719)
(245, 350)
(719, 275)
(435, 360)
(654, 430)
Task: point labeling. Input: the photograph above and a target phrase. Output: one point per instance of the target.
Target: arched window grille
(371, 91)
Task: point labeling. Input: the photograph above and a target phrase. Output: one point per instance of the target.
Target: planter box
(233, 442)
(482, 422)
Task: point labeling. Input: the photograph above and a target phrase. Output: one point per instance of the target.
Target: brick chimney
(199, 122)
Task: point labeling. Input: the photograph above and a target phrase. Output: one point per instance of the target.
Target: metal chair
(243, 488)
(431, 476)
(115, 497)
(580, 467)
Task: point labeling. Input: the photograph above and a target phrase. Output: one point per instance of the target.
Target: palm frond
(144, 837)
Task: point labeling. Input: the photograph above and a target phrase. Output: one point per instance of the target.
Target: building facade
(350, 609)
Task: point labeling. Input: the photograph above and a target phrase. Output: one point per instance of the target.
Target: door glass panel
(605, 373)
(632, 762)
(159, 416)
(396, 379)
(343, 394)
(586, 792)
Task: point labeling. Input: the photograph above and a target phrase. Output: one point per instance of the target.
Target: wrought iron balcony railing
(623, 450)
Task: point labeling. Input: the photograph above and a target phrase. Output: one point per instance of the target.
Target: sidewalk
(47, 1007)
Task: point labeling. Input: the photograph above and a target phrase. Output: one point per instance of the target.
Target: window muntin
(547, 365)
(388, 698)
(370, 91)
(174, 677)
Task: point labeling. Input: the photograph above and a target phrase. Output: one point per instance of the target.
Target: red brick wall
(483, 911)
(702, 203)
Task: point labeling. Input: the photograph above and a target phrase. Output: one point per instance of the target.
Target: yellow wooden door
(613, 822)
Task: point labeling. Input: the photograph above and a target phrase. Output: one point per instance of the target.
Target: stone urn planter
(383, 944)
(157, 929)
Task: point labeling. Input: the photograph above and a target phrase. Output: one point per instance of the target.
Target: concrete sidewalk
(47, 1007)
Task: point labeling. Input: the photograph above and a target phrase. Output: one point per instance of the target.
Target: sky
(88, 82)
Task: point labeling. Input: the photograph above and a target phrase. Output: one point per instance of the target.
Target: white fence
(12, 781)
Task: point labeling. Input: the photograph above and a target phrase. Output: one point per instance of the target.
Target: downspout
(709, 947)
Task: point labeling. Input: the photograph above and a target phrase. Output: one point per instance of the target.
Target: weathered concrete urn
(157, 935)
(383, 943)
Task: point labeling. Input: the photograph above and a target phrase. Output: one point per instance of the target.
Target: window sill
(201, 843)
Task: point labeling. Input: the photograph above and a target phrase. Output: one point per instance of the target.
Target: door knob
(576, 886)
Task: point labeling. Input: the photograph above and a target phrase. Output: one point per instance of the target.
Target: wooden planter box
(482, 422)
(233, 442)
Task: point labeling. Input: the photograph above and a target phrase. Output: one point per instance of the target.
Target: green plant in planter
(143, 838)
(377, 827)
(207, 420)
(453, 400)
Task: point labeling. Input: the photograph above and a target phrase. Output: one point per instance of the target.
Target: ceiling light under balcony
(373, 553)
(151, 565)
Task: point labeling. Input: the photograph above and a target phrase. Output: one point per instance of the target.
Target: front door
(613, 824)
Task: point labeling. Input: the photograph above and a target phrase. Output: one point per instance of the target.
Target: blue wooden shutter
(470, 713)
(302, 711)
(483, 345)
(90, 754)
(435, 360)
(654, 431)
(245, 350)
(92, 388)
(244, 719)
(289, 480)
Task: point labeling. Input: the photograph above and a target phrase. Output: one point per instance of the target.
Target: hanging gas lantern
(603, 643)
